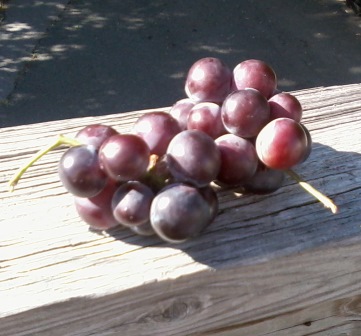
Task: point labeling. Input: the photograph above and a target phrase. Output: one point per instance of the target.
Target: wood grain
(269, 265)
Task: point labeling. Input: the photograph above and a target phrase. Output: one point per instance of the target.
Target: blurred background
(109, 56)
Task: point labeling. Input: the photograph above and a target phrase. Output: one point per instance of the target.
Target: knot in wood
(177, 309)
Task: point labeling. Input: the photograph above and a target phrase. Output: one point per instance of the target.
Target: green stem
(61, 140)
(327, 202)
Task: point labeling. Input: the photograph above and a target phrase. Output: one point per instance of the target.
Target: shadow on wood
(267, 226)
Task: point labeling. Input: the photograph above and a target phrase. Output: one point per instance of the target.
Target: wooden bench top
(275, 265)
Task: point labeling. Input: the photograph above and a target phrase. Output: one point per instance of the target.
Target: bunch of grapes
(233, 130)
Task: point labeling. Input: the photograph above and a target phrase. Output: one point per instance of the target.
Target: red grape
(180, 212)
(255, 74)
(285, 105)
(238, 159)
(97, 211)
(208, 80)
(206, 117)
(193, 157)
(157, 129)
(95, 134)
(131, 203)
(180, 111)
(80, 172)
(245, 113)
(282, 144)
(124, 157)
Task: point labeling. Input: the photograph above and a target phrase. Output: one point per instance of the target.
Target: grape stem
(59, 141)
(327, 202)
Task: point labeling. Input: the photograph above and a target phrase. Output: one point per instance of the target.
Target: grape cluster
(233, 130)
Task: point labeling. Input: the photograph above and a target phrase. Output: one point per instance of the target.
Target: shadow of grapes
(255, 228)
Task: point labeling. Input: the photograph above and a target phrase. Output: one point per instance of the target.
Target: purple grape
(97, 211)
(95, 134)
(285, 105)
(180, 212)
(131, 203)
(211, 198)
(157, 129)
(206, 117)
(180, 111)
(145, 229)
(309, 143)
(80, 172)
(208, 80)
(245, 113)
(255, 74)
(239, 160)
(193, 157)
(264, 181)
(282, 144)
(124, 157)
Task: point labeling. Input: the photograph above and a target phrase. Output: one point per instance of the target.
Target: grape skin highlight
(180, 111)
(239, 160)
(157, 129)
(97, 211)
(255, 74)
(95, 134)
(193, 157)
(180, 212)
(282, 144)
(206, 117)
(80, 173)
(131, 203)
(245, 113)
(124, 157)
(285, 105)
(208, 80)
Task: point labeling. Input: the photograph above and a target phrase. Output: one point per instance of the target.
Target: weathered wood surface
(269, 265)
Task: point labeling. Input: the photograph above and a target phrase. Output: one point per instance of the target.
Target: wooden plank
(264, 257)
